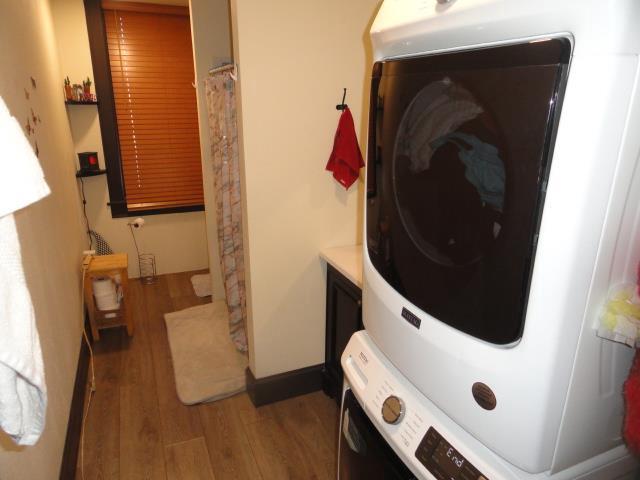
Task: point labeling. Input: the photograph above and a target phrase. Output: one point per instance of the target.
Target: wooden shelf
(117, 320)
(90, 173)
(113, 266)
(74, 102)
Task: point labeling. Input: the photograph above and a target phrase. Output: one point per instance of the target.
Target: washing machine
(390, 431)
(502, 205)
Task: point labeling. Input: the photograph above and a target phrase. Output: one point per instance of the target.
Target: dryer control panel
(444, 461)
(429, 443)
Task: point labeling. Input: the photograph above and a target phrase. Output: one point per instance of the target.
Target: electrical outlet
(137, 223)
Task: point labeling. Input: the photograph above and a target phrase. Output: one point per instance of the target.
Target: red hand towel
(632, 400)
(346, 160)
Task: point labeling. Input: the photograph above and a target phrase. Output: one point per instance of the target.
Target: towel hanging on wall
(632, 406)
(631, 429)
(23, 392)
(346, 160)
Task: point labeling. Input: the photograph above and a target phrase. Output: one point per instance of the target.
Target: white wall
(179, 241)
(294, 59)
(210, 30)
(50, 231)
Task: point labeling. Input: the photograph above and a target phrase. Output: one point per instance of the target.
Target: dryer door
(459, 154)
(364, 454)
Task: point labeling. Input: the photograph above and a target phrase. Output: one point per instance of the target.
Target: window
(143, 68)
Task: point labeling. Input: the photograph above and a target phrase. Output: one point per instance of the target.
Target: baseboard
(263, 391)
(74, 427)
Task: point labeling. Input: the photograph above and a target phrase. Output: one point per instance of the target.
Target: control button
(393, 410)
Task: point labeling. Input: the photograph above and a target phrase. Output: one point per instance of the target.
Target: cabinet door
(344, 318)
(348, 318)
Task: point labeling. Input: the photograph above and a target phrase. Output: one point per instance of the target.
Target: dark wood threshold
(263, 391)
(74, 427)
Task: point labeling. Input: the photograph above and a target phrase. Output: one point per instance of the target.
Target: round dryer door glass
(448, 174)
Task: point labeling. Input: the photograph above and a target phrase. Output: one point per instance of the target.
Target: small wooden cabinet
(344, 318)
(113, 266)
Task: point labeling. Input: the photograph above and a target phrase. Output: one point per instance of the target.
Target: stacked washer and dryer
(503, 195)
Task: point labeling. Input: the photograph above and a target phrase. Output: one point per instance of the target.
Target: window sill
(154, 211)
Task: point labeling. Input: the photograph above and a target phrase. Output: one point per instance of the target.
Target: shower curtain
(221, 104)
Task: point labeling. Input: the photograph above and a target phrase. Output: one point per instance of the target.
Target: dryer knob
(393, 410)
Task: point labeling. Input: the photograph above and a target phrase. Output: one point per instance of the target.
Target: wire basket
(147, 265)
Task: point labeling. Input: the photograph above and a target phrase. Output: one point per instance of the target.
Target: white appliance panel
(371, 377)
(540, 391)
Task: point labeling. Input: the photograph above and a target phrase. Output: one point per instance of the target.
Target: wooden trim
(263, 391)
(145, 8)
(156, 211)
(74, 426)
(106, 107)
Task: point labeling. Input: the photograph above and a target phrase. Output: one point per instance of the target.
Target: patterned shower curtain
(221, 104)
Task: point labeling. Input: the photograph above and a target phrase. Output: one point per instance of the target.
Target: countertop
(347, 260)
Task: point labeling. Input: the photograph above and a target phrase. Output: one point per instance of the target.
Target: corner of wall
(286, 123)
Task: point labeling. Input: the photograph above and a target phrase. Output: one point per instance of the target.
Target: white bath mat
(206, 364)
(202, 284)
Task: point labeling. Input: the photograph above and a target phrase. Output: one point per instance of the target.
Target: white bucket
(105, 293)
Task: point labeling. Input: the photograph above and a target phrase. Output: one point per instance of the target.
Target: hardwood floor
(138, 429)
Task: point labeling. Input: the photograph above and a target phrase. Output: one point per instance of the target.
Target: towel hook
(343, 105)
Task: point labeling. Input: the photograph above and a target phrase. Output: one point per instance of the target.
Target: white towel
(23, 393)
(21, 178)
(202, 284)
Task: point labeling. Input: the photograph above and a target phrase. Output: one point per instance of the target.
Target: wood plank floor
(138, 429)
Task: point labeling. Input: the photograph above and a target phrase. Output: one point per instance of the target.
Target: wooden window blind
(152, 73)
